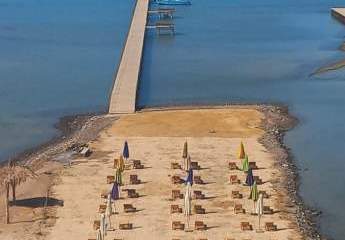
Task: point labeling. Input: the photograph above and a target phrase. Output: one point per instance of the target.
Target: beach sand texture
(156, 139)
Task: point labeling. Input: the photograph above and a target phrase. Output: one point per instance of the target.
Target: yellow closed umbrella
(241, 152)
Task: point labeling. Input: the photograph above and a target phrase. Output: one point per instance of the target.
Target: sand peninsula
(156, 138)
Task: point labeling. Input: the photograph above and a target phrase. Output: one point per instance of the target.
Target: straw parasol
(259, 208)
(241, 152)
(10, 177)
(188, 202)
(125, 152)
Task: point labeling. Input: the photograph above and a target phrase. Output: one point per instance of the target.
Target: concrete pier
(123, 95)
(339, 13)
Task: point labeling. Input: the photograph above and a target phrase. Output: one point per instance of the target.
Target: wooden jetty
(339, 14)
(124, 91)
(163, 26)
(163, 12)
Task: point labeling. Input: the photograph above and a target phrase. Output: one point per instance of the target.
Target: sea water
(263, 51)
(56, 58)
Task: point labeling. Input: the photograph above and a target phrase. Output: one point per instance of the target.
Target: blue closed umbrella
(250, 177)
(125, 152)
(115, 191)
(190, 177)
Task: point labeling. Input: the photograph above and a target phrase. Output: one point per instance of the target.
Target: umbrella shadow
(210, 212)
(282, 229)
(208, 198)
(210, 227)
(37, 202)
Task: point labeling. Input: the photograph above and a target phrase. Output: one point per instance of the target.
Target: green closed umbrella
(118, 176)
(254, 194)
(245, 164)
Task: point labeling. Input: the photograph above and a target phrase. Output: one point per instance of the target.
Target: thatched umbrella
(12, 176)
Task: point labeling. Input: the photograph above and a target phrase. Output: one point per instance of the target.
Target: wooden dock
(124, 91)
(339, 14)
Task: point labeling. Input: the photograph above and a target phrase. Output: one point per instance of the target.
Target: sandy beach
(156, 138)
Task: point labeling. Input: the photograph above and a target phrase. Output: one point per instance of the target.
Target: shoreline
(86, 127)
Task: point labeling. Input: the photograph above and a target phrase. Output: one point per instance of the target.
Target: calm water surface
(263, 51)
(56, 58)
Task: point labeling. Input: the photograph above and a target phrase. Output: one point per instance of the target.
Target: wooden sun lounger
(267, 210)
(198, 180)
(253, 165)
(133, 179)
(234, 180)
(128, 208)
(195, 165)
(104, 195)
(270, 226)
(238, 209)
(96, 224)
(176, 180)
(102, 208)
(199, 225)
(199, 210)
(198, 195)
(257, 180)
(236, 195)
(175, 209)
(131, 193)
(264, 194)
(177, 225)
(125, 226)
(176, 194)
(110, 179)
(175, 166)
(137, 164)
(245, 226)
(232, 166)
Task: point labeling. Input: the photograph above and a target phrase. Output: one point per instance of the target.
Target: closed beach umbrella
(185, 150)
(121, 164)
(250, 177)
(245, 164)
(118, 176)
(189, 179)
(99, 235)
(103, 226)
(109, 210)
(125, 152)
(254, 194)
(187, 162)
(260, 208)
(188, 202)
(241, 152)
(115, 191)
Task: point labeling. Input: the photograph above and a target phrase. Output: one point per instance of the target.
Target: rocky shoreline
(73, 129)
(277, 122)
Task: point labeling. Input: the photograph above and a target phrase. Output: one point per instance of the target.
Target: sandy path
(156, 138)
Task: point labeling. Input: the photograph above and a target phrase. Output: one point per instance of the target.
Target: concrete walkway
(123, 96)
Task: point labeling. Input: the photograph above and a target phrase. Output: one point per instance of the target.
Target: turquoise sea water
(58, 57)
(263, 51)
